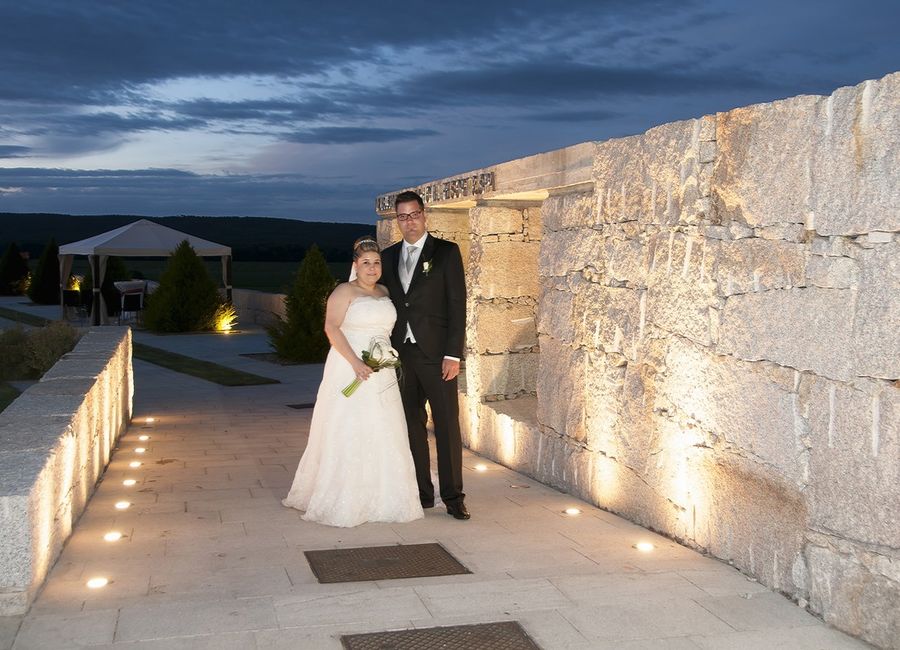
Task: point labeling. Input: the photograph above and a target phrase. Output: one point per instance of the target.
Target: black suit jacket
(435, 304)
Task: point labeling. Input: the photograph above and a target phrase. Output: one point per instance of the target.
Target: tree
(13, 271)
(187, 298)
(301, 335)
(44, 289)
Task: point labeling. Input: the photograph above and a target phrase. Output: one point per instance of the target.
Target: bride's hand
(361, 370)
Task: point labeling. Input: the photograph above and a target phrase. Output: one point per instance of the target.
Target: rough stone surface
(495, 220)
(854, 166)
(502, 327)
(806, 329)
(55, 440)
(719, 348)
(504, 269)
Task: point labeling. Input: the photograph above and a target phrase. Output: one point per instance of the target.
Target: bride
(357, 466)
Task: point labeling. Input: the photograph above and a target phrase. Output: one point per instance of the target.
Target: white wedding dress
(357, 466)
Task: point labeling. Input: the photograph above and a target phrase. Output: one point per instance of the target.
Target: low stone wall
(257, 307)
(55, 441)
(716, 306)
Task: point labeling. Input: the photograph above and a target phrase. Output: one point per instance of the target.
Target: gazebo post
(226, 273)
(95, 279)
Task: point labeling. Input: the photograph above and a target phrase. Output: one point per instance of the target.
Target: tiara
(365, 241)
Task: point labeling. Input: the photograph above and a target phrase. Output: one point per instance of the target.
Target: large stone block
(556, 312)
(495, 221)
(754, 264)
(502, 327)
(504, 269)
(751, 407)
(568, 211)
(762, 173)
(502, 374)
(570, 250)
(876, 327)
(560, 388)
(855, 163)
(628, 260)
(853, 595)
(604, 383)
(607, 318)
(806, 329)
(855, 460)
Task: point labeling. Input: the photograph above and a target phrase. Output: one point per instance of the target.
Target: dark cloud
(13, 151)
(586, 115)
(357, 135)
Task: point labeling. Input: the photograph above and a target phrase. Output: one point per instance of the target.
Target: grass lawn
(21, 317)
(178, 362)
(8, 393)
(195, 367)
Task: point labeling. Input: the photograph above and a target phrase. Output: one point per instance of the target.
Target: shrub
(187, 298)
(13, 343)
(47, 344)
(29, 354)
(13, 272)
(301, 335)
(44, 289)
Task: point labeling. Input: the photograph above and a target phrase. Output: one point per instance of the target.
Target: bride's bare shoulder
(382, 291)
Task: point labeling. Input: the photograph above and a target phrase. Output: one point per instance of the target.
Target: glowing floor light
(644, 547)
(128, 482)
(572, 511)
(150, 420)
(134, 463)
(143, 437)
(139, 450)
(97, 583)
(481, 467)
(122, 505)
(113, 536)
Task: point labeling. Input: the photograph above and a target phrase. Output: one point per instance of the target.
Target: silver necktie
(410, 260)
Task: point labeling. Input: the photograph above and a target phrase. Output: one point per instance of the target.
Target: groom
(428, 287)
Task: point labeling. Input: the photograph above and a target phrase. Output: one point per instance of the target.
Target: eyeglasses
(403, 216)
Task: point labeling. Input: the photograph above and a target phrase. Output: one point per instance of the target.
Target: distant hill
(250, 238)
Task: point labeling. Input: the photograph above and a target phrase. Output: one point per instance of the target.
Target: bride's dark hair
(365, 244)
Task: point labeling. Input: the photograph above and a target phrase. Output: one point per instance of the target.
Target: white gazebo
(142, 238)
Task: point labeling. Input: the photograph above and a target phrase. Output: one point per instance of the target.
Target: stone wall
(55, 441)
(718, 318)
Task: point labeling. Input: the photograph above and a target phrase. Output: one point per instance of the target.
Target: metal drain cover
(507, 635)
(383, 563)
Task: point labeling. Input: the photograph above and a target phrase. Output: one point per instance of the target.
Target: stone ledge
(55, 441)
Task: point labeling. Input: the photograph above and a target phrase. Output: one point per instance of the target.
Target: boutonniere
(426, 267)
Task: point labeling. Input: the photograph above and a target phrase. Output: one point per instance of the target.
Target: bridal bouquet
(379, 355)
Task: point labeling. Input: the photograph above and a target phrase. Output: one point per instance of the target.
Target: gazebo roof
(142, 238)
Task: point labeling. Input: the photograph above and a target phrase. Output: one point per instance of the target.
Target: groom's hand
(449, 369)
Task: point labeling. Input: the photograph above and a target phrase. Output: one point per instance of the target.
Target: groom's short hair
(408, 195)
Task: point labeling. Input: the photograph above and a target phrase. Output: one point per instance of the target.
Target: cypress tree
(301, 335)
(13, 271)
(187, 297)
(44, 289)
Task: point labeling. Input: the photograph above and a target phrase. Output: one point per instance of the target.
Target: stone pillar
(502, 353)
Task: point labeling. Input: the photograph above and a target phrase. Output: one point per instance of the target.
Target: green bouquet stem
(350, 388)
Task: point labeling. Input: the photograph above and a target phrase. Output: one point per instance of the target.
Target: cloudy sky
(307, 110)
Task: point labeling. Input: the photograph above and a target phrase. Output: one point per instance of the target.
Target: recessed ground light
(481, 467)
(97, 583)
(122, 505)
(113, 536)
(128, 482)
(139, 450)
(572, 511)
(134, 463)
(644, 547)
(519, 487)
(150, 420)
(143, 438)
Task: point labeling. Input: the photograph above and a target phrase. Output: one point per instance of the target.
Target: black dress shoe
(427, 504)
(458, 510)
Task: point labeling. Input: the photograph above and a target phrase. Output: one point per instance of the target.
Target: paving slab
(209, 558)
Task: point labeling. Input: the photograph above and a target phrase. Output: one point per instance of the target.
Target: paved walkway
(210, 559)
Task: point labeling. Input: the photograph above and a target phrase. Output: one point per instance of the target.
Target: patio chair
(132, 302)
